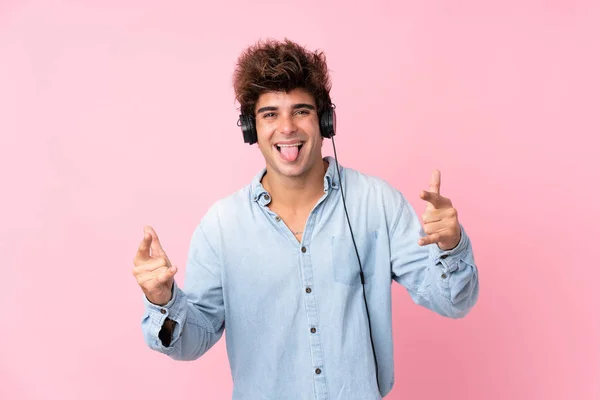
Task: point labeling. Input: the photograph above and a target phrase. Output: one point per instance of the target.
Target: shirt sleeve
(198, 311)
(445, 282)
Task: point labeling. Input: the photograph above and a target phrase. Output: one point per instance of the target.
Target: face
(289, 138)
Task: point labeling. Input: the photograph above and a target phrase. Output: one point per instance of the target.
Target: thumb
(167, 275)
(155, 247)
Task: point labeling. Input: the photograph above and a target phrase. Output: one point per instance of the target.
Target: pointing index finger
(143, 252)
(155, 245)
(435, 181)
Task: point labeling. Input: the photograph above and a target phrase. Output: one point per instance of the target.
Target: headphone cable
(362, 276)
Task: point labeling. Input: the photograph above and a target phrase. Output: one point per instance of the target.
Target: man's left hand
(440, 220)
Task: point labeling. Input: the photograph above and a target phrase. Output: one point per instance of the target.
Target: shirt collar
(330, 181)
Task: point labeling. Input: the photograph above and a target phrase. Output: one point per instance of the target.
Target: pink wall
(118, 114)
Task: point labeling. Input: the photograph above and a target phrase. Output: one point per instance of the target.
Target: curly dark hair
(273, 65)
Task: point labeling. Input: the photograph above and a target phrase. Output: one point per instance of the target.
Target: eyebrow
(294, 107)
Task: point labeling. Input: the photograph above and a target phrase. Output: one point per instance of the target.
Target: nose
(287, 124)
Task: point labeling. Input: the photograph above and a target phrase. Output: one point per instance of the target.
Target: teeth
(290, 145)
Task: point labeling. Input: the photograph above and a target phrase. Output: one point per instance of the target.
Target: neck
(297, 192)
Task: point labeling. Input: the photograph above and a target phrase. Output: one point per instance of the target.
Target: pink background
(118, 114)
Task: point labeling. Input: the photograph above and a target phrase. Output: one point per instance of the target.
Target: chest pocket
(345, 265)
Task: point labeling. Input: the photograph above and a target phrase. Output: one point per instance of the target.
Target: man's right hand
(153, 270)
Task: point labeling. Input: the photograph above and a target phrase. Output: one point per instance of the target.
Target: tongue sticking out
(289, 153)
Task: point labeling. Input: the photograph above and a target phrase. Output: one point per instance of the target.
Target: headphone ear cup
(327, 122)
(246, 122)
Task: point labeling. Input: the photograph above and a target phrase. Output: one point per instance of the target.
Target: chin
(292, 171)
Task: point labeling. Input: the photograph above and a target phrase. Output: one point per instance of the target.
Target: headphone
(326, 124)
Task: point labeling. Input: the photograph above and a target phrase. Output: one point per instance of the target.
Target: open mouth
(289, 152)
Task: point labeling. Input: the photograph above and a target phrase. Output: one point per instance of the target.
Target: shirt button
(308, 290)
(277, 218)
(267, 197)
(443, 276)
(318, 371)
(163, 311)
(313, 330)
(303, 249)
(443, 256)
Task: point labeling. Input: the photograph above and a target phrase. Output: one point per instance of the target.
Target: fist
(153, 270)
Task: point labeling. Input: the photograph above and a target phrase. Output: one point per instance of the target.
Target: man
(298, 265)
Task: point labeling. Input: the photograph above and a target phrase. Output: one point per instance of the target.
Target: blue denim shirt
(293, 313)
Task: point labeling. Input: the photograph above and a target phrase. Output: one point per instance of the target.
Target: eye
(268, 115)
(304, 112)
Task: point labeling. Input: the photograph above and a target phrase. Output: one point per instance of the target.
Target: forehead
(284, 99)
